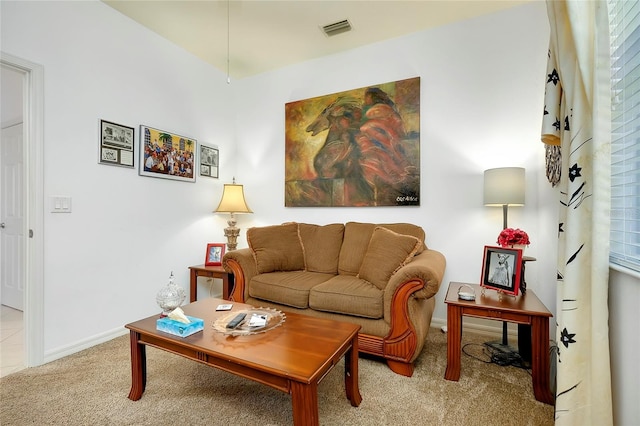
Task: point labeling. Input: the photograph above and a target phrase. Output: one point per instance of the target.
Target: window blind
(624, 24)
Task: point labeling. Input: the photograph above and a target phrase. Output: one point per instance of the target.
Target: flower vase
(518, 246)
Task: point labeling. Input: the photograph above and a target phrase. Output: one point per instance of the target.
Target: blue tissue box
(178, 328)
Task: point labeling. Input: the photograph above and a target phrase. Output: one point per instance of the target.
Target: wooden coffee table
(292, 358)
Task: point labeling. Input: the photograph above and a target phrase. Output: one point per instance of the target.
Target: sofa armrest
(242, 265)
(409, 303)
(426, 268)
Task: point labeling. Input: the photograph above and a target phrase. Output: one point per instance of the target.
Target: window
(624, 20)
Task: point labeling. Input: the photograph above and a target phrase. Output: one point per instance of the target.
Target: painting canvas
(355, 148)
(166, 155)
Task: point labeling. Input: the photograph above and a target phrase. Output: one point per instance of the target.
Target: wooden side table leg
(193, 284)
(454, 337)
(540, 359)
(351, 373)
(305, 404)
(138, 366)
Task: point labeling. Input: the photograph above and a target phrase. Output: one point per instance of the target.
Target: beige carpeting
(91, 388)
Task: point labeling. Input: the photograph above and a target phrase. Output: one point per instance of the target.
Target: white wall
(482, 87)
(624, 344)
(105, 261)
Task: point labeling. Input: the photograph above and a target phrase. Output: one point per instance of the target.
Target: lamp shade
(504, 186)
(233, 200)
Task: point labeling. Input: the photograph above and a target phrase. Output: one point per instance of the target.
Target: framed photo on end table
(501, 269)
(215, 253)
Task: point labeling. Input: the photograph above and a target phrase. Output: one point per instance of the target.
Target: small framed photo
(501, 269)
(116, 144)
(215, 253)
(208, 161)
(167, 155)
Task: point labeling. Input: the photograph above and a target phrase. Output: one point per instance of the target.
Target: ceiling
(244, 38)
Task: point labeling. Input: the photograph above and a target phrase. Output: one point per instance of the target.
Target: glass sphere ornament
(170, 296)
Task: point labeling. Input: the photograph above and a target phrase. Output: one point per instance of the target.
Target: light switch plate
(60, 204)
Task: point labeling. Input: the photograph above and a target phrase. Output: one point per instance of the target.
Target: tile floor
(11, 341)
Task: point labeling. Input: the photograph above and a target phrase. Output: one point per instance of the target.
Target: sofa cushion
(354, 246)
(321, 246)
(276, 248)
(287, 288)
(356, 241)
(387, 252)
(346, 294)
(408, 229)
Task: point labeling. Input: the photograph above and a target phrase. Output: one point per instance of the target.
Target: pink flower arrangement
(510, 237)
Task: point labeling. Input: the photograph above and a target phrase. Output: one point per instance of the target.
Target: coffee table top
(300, 349)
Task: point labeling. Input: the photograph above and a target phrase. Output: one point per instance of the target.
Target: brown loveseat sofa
(381, 277)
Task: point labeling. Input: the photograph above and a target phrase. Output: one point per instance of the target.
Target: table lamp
(232, 202)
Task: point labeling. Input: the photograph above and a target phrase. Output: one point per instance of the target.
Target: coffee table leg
(305, 403)
(454, 337)
(351, 373)
(138, 366)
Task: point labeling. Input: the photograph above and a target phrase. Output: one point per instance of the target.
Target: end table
(211, 272)
(524, 309)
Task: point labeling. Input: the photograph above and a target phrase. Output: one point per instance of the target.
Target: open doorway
(12, 221)
(22, 182)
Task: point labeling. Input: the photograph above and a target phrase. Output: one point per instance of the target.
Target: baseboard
(84, 344)
(490, 328)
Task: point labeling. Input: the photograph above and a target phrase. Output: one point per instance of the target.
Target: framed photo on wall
(167, 155)
(209, 161)
(214, 255)
(501, 269)
(116, 144)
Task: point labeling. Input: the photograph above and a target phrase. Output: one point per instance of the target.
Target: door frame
(33, 177)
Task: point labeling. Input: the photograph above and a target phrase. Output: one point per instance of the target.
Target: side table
(524, 309)
(211, 272)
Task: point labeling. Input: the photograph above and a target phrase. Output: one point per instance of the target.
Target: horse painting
(357, 148)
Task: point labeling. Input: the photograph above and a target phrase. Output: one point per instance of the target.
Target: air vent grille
(337, 28)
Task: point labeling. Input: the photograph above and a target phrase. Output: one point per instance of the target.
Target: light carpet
(91, 388)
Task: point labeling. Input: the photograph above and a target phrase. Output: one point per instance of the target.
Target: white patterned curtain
(577, 134)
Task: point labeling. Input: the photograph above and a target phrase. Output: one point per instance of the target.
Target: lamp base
(232, 232)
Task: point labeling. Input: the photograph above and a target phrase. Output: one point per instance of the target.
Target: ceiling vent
(337, 28)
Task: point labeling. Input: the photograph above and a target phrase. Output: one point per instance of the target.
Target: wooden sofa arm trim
(237, 295)
(401, 342)
(375, 345)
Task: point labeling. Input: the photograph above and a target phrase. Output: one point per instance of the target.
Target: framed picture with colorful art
(167, 155)
(501, 269)
(215, 253)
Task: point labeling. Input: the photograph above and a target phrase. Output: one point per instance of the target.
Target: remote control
(236, 321)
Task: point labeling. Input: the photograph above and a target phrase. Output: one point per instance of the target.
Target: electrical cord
(489, 355)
